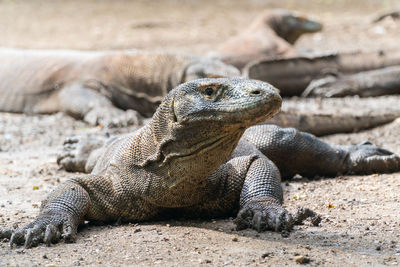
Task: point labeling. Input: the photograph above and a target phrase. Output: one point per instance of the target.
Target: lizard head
(287, 25)
(208, 68)
(232, 102)
(201, 121)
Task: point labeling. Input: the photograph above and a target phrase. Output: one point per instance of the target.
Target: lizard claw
(69, 234)
(51, 235)
(33, 237)
(17, 238)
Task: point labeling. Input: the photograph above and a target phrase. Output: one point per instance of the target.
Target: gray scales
(97, 87)
(199, 157)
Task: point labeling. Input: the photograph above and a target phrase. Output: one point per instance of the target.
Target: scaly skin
(192, 161)
(97, 86)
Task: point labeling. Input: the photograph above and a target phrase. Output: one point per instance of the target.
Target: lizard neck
(174, 150)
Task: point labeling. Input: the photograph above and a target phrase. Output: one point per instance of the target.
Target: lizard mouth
(238, 113)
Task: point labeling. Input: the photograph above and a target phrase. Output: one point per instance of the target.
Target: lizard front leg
(59, 217)
(249, 184)
(261, 201)
(83, 198)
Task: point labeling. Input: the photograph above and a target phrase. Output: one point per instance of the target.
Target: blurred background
(185, 25)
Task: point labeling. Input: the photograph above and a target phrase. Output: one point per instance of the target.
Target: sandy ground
(361, 213)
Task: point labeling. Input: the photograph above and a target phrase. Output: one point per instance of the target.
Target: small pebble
(302, 260)
(266, 255)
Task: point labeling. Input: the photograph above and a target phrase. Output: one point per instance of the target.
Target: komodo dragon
(271, 34)
(292, 75)
(190, 160)
(97, 86)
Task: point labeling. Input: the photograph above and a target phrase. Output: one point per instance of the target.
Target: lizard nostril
(255, 92)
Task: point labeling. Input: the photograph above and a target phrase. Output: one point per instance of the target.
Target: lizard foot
(113, 118)
(268, 214)
(367, 158)
(323, 87)
(265, 214)
(45, 229)
(76, 151)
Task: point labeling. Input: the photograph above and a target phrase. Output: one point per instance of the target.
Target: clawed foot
(45, 229)
(324, 87)
(268, 214)
(76, 151)
(367, 158)
(113, 118)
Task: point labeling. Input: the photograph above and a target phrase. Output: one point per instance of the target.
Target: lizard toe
(17, 238)
(33, 237)
(6, 233)
(244, 219)
(51, 235)
(69, 164)
(64, 155)
(258, 222)
(69, 233)
(71, 140)
(70, 146)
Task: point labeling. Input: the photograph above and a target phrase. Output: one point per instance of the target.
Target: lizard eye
(209, 91)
